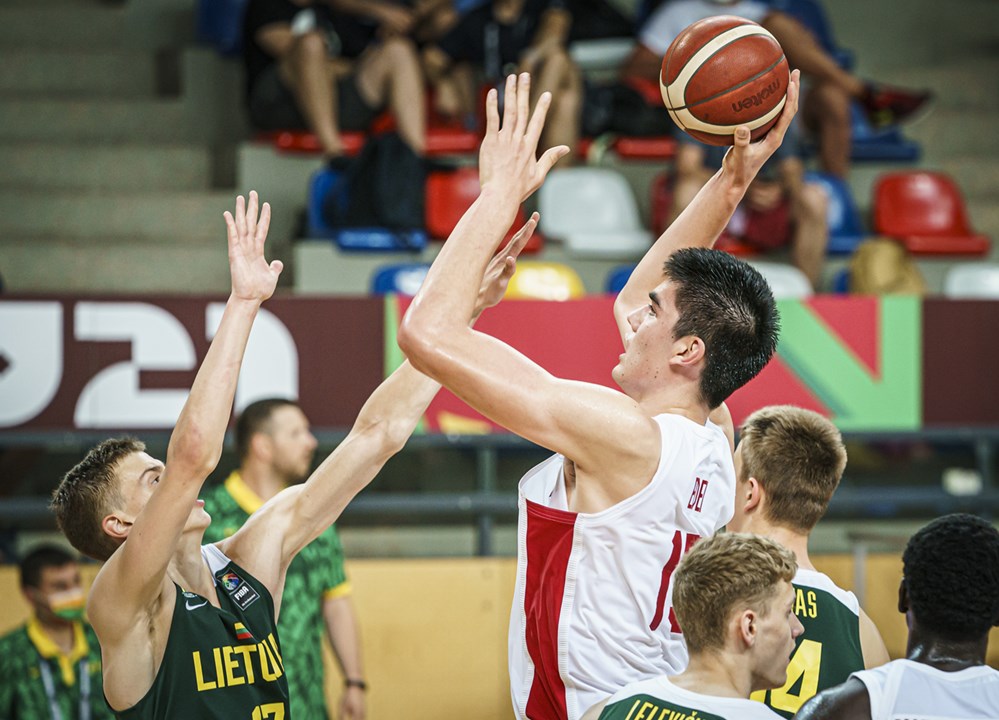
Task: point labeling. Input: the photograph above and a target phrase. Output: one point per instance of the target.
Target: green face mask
(68, 605)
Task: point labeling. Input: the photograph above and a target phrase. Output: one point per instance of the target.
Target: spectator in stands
(950, 596)
(826, 105)
(506, 36)
(50, 667)
(780, 209)
(314, 65)
(275, 450)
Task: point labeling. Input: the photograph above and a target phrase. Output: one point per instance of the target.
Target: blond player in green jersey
(788, 463)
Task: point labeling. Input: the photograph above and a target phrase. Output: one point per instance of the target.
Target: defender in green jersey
(50, 667)
(188, 631)
(789, 462)
(732, 596)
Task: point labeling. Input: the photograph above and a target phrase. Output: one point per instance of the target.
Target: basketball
(722, 72)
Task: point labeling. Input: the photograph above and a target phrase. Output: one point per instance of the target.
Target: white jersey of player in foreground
(735, 601)
(592, 607)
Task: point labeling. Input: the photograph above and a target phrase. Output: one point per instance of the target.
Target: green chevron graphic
(859, 400)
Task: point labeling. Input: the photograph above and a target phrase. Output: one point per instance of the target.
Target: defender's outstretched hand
(502, 267)
(508, 155)
(745, 159)
(252, 277)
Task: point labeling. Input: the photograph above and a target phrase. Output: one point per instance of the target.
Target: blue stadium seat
(401, 278)
(220, 24)
(375, 239)
(846, 230)
(617, 278)
(841, 281)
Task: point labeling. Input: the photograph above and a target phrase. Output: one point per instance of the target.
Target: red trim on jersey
(549, 544)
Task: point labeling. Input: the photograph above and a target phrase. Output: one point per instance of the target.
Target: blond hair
(798, 458)
(88, 493)
(726, 572)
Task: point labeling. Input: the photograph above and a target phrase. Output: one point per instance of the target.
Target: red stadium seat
(925, 211)
(451, 193)
(440, 141)
(645, 148)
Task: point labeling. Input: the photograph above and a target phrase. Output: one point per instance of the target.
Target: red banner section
(126, 363)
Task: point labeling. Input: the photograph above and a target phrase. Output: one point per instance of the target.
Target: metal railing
(485, 503)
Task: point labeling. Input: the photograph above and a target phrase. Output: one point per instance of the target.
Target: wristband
(355, 682)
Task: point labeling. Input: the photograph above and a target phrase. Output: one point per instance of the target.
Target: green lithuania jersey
(828, 651)
(219, 662)
(39, 682)
(315, 575)
(659, 699)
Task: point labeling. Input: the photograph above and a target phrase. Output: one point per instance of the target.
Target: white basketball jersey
(907, 690)
(659, 698)
(591, 609)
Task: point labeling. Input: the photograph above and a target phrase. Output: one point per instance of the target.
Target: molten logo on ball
(757, 99)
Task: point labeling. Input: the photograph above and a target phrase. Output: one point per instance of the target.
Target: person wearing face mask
(50, 667)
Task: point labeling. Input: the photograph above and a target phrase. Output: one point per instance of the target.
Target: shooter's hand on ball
(745, 159)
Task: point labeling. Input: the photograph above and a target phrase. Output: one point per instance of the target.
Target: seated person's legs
(884, 106)
(299, 91)
(389, 72)
(691, 169)
(454, 86)
(809, 219)
(826, 113)
(558, 74)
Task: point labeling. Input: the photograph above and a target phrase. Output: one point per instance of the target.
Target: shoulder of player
(849, 700)
(263, 530)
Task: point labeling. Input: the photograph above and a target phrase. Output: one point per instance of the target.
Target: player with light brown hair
(734, 600)
(788, 463)
(189, 630)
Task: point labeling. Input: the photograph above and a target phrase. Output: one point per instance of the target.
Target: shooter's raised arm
(701, 222)
(601, 430)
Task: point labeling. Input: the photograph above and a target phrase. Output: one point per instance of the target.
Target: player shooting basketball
(640, 474)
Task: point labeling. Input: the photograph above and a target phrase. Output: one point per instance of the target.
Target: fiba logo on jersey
(241, 593)
(696, 501)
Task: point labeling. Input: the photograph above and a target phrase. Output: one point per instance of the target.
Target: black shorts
(272, 105)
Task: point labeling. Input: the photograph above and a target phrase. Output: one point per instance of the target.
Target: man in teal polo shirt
(275, 449)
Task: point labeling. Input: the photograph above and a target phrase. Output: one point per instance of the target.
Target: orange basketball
(722, 72)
